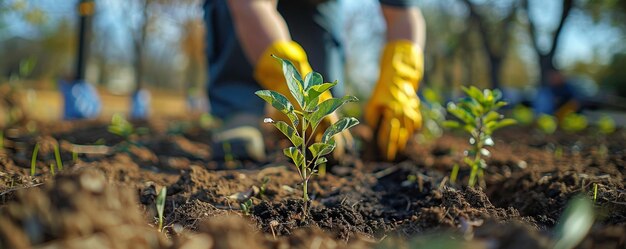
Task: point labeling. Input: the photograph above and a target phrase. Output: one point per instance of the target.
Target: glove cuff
(269, 72)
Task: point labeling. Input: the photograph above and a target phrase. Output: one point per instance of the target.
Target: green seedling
(595, 192)
(606, 124)
(263, 187)
(57, 157)
(160, 205)
(523, 115)
(1, 139)
(120, 126)
(558, 152)
(33, 159)
(74, 156)
(454, 174)
(229, 157)
(478, 115)
(574, 122)
(52, 168)
(547, 123)
(308, 115)
(246, 206)
(574, 223)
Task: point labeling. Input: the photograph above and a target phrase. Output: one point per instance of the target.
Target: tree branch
(567, 9)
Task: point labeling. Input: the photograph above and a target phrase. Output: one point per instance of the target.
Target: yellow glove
(269, 73)
(393, 108)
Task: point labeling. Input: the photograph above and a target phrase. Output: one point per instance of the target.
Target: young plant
(574, 122)
(57, 157)
(305, 117)
(120, 126)
(478, 115)
(547, 123)
(160, 205)
(246, 207)
(606, 124)
(33, 159)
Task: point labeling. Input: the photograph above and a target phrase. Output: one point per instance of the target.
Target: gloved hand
(393, 109)
(140, 104)
(81, 100)
(269, 73)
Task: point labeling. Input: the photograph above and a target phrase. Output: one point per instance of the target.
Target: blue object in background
(140, 105)
(81, 100)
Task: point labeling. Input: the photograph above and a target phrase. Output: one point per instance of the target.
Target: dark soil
(106, 197)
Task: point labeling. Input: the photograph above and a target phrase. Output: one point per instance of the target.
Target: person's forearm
(258, 25)
(405, 24)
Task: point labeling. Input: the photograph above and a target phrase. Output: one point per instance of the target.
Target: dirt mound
(77, 210)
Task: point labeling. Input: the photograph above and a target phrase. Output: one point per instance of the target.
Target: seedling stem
(33, 159)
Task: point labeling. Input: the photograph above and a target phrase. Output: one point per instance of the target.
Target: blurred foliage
(606, 124)
(547, 123)
(575, 223)
(523, 115)
(614, 76)
(574, 122)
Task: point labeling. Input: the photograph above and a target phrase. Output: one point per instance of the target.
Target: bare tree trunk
(546, 59)
(495, 45)
(139, 45)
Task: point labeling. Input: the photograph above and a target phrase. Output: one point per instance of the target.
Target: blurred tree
(495, 25)
(193, 45)
(545, 56)
(614, 76)
(612, 11)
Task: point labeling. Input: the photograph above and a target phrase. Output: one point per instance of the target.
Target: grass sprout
(33, 159)
(160, 205)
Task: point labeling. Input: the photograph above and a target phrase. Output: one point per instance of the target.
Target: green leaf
(295, 155)
(278, 101)
(500, 104)
(312, 79)
(468, 161)
(460, 113)
(328, 149)
(497, 94)
(120, 126)
(294, 80)
(321, 160)
(313, 93)
(503, 123)
(160, 201)
(327, 107)
(289, 132)
(492, 116)
(574, 223)
(339, 126)
(321, 149)
(452, 124)
(474, 93)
